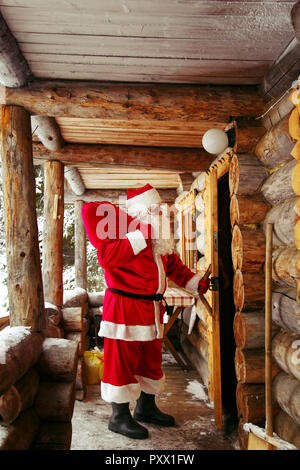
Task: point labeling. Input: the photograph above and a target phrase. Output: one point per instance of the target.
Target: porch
(185, 397)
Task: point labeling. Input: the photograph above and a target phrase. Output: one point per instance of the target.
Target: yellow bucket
(94, 365)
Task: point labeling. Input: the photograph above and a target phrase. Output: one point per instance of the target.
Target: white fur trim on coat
(193, 284)
(127, 332)
(137, 241)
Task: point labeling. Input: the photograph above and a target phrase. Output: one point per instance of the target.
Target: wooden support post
(25, 287)
(80, 248)
(53, 232)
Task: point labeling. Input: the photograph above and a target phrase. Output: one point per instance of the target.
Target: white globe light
(215, 141)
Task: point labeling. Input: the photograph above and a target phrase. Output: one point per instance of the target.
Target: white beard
(162, 240)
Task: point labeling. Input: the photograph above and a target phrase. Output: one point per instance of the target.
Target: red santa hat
(145, 196)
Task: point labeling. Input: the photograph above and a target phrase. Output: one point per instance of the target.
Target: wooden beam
(286, 68)
(295, 17)
(25, 287)
(123, 156)
(115, 196)
(80, 248)
(186, 180)
(14, 70)
(136, 101)
(74, 179)
(53, 232)
(283, 72)
(47, 131)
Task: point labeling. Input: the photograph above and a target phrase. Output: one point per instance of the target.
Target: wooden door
(217, 384)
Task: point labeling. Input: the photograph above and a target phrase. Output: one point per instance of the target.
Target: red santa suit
(132, 327)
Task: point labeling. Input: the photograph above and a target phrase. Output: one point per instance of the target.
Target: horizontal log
(278, 186)
(53, 313)
(136, 101)
(297, 234)
(19, 351)
(126, 156)
(296, 179)
(247, 209)
(201, 242)
(79, 338)
(286, 352)
(75, 297)
(285, 309)
(294, 125)
(55, 401)
(248, 290)
(283, 217)
(286, 390)
(274, 148)
(248, 248)
(47, 131)
(115, 196)
(14, 70)
(248, 132)
(74, 180)
(284, 266)
(250, 365)
(58, 360)
(52, 331)
(287, 429)
(4, 322)
(199, 183)
(72, 318)
(200, 223)
(250, 401)
(20, 434)
(19, 397)
(199, 203)
(53, 436)
(94, 312)
(249, 330)
(246, 174)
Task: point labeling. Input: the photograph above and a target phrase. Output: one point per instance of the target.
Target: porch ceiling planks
(123, 179)
(134, 132)
(219, 42)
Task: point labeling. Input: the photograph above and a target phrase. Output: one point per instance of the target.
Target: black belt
(133, 295)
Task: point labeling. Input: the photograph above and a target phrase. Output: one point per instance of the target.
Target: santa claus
(136, 251)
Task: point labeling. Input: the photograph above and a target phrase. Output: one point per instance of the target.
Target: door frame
(220, 167)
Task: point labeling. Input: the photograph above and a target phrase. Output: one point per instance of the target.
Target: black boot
(122, 422)
(147, 411)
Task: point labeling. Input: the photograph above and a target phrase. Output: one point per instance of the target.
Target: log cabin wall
(37, 390)
(264, 187)
(279, 152)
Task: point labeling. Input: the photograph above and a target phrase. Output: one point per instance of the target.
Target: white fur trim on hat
(145, 199)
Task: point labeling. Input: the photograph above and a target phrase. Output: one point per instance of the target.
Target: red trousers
(129, 367)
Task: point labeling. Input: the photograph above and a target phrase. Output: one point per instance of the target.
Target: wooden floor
(185, 397)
